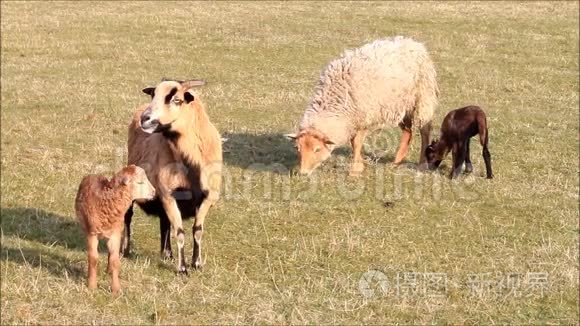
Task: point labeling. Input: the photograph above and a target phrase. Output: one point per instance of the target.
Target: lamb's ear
(149, 91)
(193, 83)
(290, 136)
(125, 180)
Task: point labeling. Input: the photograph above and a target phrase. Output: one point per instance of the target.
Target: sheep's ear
(149, 91)
(188, 97)
(290, 136)
(193, 83)
(125, 180)
(329, 144)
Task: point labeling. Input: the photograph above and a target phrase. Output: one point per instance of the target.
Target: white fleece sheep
(385, 83)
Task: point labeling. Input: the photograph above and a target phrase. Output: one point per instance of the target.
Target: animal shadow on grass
(50, 231)
(37, 225)
(44, 258)
(276, 153)
(271, 152)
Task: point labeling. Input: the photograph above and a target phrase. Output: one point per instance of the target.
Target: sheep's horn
(193, 83)
(171, 79)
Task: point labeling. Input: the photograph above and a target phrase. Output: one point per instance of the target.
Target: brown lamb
(100, 207)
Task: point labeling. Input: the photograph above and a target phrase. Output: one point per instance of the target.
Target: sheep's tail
(427, 91)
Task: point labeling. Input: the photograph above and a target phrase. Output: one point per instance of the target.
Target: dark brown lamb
(456, 131)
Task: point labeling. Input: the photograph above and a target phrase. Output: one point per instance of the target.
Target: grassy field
(394, 246)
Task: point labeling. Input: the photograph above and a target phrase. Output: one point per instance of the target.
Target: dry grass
(72, 74)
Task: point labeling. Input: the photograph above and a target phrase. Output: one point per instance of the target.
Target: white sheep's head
(169, 102)
(313, 148)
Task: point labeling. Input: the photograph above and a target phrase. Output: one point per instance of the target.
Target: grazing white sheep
(385, 83)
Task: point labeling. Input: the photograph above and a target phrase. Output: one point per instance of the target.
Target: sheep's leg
(210, 185)
(114, 263)
(458, 159)
(468, 165)
(165, 226)
(93, 260)
(126, 241)
(174, 215)
(425, 135)
(198, 229)
(405, 141)
(357, 144)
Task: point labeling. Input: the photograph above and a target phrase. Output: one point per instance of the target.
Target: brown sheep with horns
(173, 139)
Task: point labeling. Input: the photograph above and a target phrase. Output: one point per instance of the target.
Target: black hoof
(468, 168)
(197, 266)
(455, 173)
(125, 252)
(166, 255)
(182, 271)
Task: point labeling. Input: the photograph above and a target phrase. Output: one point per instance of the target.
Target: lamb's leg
(486, 155)
(458, 159)
(174, 215)
(468, 165)
(405, 141)
(126, 242)
(425, 135)
(164, 227)
(484, 139)
(357, 144)
(93, 260)
(487, 159)
(197, 229)
(114, 263)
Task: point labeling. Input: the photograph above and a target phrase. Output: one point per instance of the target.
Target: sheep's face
(434, 154)
(170, 101)
(136, 179)
(313, 149)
